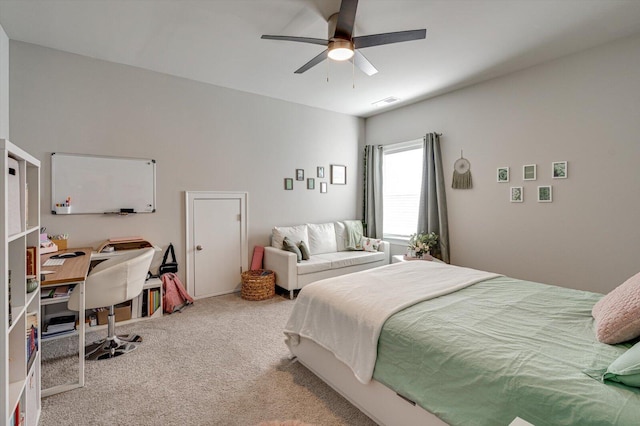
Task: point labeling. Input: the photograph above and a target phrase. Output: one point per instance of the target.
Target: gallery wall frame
(320, 172)
(311, 183)
(517, 194)
(338, 174)
(323, 187)
(545, 194)
(288, 184)
(299, 174)
(502, 174)
(559, 170)
(529, 172)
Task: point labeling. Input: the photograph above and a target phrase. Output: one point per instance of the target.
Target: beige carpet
(220, 362)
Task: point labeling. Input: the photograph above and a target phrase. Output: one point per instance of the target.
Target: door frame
(190, 198)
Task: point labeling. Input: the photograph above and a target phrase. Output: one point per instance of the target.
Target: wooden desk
(74, 270)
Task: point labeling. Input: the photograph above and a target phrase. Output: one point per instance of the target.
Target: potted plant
(422, 244)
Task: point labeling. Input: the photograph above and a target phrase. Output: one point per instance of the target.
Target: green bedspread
(505, 348)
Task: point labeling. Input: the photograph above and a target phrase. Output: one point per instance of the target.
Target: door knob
(199, 247)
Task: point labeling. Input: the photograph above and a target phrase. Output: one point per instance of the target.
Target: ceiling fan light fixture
(340, 50)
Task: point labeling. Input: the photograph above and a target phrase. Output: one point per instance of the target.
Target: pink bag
(174, 297)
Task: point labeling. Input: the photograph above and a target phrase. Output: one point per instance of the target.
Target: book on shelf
(32, 338)
(60, 325)
(31, 261)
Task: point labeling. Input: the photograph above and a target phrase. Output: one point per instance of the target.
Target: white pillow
(341, 236)
(322, 238)
(295, 233)
(370, 244)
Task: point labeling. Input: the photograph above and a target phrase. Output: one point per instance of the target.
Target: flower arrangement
(421, 244)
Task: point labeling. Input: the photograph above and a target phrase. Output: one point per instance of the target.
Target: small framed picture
(323, 187)
(311, 183)
(529, 172)
(545, 194)
(338, 174)
(503, 174)
(559, 170)
(517, 194)
(320, 172)
(288, 184)
(299, 174)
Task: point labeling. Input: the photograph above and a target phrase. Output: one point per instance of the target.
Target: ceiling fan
(342, 46)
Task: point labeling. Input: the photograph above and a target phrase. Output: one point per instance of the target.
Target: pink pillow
(617, 314)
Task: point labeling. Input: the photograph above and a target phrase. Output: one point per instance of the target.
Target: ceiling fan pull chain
(353, 72)
(328, 71)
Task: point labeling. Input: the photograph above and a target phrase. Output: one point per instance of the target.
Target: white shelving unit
(19, 229)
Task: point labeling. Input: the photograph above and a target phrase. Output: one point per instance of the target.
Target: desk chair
(113, 281)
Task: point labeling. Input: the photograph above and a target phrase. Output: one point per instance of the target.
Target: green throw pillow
(626, 369)
(289, 245)
(304, 250)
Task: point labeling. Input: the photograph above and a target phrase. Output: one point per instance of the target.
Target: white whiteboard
(97, 184)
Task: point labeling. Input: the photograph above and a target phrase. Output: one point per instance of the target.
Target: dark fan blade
(319, 41)
(388, 38)
(346, 19)
(363, 63)
(312, 63)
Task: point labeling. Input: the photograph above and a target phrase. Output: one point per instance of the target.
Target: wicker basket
(259, 284)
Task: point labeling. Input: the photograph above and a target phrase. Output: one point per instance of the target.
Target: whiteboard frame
(104, 157)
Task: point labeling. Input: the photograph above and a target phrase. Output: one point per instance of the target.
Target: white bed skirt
(374, 399)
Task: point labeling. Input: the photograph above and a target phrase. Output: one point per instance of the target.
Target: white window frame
(394, 149)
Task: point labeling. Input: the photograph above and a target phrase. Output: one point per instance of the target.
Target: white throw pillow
(295, 233)
(341, 236)
(370, 244)
(322, 238)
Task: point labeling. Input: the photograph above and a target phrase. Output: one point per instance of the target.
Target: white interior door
(217, 245)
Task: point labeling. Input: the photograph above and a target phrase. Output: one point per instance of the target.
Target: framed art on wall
(503, 174)
(529, 172)
(517, 195)
(338, 174)
(288, 184)
(323, 187)
(545, 194)
(311, 183)
(299, 174)
(320, 172)
(559, 170)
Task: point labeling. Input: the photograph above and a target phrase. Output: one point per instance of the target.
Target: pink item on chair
(256, 262)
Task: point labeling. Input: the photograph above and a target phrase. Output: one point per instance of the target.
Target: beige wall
(585, 109)
(203, 137)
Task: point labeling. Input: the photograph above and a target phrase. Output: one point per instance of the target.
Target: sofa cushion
(289, 245)
(341, 236)
(370, 244)
(322, 238)
(314, 264)
(304, 250)
(342, 259)
(295, 234)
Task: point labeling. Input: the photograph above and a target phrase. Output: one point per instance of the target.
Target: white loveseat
(327, 243)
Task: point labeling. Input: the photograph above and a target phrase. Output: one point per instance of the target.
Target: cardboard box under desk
(123, 313)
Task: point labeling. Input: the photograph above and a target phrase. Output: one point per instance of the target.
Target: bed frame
(380, 403)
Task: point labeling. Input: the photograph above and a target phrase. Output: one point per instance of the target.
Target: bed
(432, 344)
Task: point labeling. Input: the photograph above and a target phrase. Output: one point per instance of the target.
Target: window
(401, 185)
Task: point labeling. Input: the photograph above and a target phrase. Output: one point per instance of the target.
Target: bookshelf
(19, 233)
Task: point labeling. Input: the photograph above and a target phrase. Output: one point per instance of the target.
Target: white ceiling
(218, 41)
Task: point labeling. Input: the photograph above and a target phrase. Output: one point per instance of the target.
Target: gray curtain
(432, 214)
(372, 200)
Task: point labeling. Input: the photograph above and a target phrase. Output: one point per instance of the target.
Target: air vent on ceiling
(386, 101)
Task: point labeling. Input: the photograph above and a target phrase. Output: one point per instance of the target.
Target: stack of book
(59, 325)
(59, 291)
